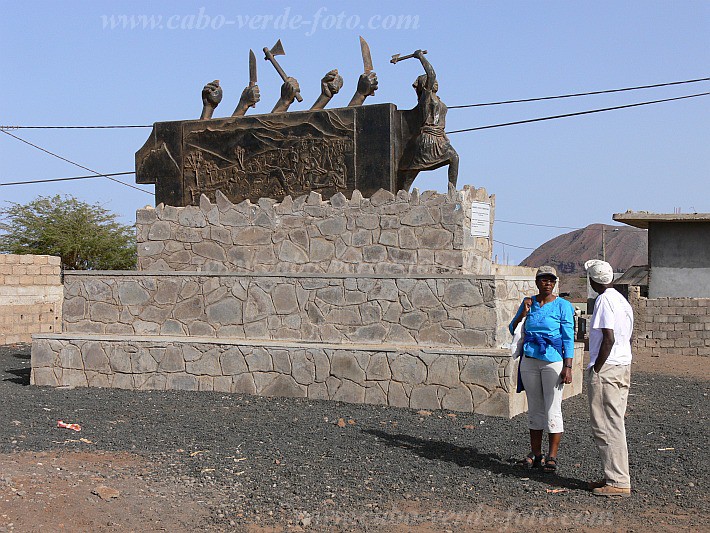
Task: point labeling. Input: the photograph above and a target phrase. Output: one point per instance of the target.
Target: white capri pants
(543, 387)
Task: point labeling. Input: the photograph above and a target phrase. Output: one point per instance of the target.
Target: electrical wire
(621, 228)
(580, 94)
(502, 102)
(514, 246)
(578, 113)
(74, 163)
(66, 179)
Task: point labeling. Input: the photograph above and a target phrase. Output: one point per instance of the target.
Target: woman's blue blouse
(555, 319)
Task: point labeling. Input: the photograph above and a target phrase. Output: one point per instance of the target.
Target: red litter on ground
(62, 424)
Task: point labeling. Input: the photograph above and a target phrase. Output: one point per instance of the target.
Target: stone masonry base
(481, 381)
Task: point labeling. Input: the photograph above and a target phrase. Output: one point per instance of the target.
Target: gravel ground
(273, 464)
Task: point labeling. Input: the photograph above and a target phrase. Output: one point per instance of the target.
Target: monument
(357, 147)
(286, 256)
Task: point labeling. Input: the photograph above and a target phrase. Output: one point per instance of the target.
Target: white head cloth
(599, 271)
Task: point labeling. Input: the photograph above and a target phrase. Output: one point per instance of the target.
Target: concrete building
(678, 252)
(674, 316)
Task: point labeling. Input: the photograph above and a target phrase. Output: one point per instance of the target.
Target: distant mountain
(625, 247)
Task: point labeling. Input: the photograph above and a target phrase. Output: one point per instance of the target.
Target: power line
(578, 113)
(66, 179)
(580, 94)
(696, 80)
(620, 228)
(75, 164)
(513, 245)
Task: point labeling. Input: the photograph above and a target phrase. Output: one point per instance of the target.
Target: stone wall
(433, 310)
(386, 300)
(679, 326)
(30, 296)
(463, 380)
(406, 233)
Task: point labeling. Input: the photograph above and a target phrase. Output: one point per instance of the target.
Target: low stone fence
(387, 233)
(431, 310)
(463, 380)
(679, 326)
(30, 296)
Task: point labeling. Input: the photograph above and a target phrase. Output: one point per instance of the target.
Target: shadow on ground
(466, 456)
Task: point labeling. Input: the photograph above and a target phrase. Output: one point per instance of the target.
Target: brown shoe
(610, 491)
(596, 484)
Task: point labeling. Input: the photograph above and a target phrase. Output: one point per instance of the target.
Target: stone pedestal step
(418, 377)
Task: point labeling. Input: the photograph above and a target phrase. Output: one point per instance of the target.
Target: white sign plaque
(480, 219)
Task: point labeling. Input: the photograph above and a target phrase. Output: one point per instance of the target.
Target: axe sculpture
(278, 50)
(396, 57)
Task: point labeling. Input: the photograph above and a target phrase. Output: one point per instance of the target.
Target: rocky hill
(625, 247)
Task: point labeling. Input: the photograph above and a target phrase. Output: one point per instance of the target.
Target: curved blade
(252, 68)
(366, 57)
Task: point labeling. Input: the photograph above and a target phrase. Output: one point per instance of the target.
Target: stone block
(70, 358)
(424, 397)
(444, 371)
(458, 399)
(350, 392)
(482, 371)
(131, 293)
(181, 382)
(406, 368)
(95, 358)
(285, 386)
(259, 360)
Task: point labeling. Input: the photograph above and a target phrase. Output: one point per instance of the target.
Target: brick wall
(679, 326)
(31, 295)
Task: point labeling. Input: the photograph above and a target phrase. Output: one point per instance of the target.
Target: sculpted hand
(250, 96)
(211, 97)
(289, 88)
(331, 83)
(366, 86)
(212, 94)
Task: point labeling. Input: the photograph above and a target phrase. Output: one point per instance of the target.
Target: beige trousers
(608, 394)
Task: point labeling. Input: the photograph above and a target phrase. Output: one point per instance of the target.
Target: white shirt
(612, 311)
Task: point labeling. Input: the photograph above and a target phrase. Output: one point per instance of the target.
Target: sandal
(550, 465)
(532, 461)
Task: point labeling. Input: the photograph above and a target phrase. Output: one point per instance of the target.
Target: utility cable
(66, 179)
(75, 164)
(578, 113)
(580, 94)
(619, 228)
(696, 80)
(513, 245)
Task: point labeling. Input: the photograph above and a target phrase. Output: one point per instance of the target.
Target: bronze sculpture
(272, 155)
(429, 148)
(331, 84)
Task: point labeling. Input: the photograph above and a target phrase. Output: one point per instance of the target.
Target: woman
(545, 365)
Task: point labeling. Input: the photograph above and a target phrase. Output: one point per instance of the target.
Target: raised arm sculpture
(330, 85)
(250, 95)
(429, 148)
(211, 97)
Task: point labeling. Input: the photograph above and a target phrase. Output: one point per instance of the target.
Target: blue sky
(63, 64)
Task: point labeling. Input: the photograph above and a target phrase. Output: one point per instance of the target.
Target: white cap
(599, 271)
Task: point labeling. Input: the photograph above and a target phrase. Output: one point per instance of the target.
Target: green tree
(85, 236)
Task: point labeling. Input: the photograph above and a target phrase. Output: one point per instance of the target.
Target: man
(609, 379)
